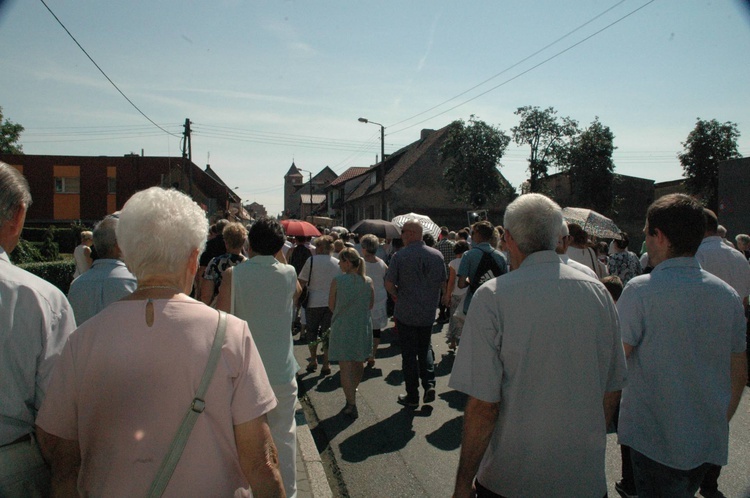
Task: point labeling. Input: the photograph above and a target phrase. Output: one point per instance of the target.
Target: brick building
(69, 188)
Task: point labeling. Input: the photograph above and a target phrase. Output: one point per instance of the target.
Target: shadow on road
(455, 399)
(448, 436)
(394, 378)
(387, 436)
(445, 366)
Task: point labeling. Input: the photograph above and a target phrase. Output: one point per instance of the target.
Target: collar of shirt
(541, 257)
(483, 246)
(259, 259)
(680, 262)
(712, 240)
(4, 255)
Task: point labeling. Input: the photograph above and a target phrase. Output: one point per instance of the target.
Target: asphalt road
(393, 451)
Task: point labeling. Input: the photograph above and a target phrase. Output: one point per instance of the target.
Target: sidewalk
(311, 476)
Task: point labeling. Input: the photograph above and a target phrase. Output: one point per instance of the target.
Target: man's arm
(611, 400)
(207, 291)
(479, 423)
(258, 457)
(64, 458)
(391, 289)
(738, 371)
(462, 281)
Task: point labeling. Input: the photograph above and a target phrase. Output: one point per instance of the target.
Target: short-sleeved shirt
(543, 342)
(107, 281)
(627, 265)
(218, 265)
(122, 388)
(683, 324)
(324, 269)
(470, 263)
(263, 294)
(35, 322)
(445, 246)
(418, 272)
(726, 263)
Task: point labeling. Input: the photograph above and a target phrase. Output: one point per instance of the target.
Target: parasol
(592, 222)
(428, 226)
(380, 228)
(299, 228)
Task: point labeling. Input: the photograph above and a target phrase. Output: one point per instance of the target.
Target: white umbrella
(428, 226)
(592, 222)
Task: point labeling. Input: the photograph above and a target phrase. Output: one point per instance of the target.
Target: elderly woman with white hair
(128, 376)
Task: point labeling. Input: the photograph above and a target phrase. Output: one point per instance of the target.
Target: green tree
(589, 162)
(471, 155)
(10, 133)
(547, 135)
(709, 143)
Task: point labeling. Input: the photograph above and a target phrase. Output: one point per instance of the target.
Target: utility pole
(187, 155)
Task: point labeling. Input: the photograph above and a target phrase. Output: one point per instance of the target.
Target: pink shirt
(121, 389)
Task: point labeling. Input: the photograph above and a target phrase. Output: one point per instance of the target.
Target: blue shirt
(418, 271)
(683, 324)
(470, 263)
(107, 281)
(263, 295)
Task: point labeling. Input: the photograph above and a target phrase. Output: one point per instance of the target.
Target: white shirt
(543, 341)
(35, 322)
(578, 266)
(325, 268)
(726, 263)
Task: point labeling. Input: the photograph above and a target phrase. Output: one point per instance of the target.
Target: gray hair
(105, 237)
(370, 243)
(534, 221)
(158, 231)
(14, 192)
(721, 231)
(564, 230)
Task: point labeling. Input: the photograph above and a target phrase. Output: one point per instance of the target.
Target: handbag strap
(196, 408)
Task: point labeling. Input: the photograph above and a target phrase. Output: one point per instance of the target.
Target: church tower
(292, 184)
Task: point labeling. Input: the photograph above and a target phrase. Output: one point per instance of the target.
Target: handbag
(304, 296)
(196, 408)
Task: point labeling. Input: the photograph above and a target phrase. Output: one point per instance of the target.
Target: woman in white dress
(375, 268)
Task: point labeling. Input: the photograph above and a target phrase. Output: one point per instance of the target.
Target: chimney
(426, 133)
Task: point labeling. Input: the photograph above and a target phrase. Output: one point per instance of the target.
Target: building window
(67, 185)
(111, 185)
(373, 178)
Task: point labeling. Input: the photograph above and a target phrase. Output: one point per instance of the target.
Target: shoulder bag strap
(196, 408)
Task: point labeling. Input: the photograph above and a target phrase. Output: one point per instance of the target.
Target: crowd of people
(169, 368)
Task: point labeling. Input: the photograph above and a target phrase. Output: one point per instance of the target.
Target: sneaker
(404, 399)
(429, 395)
(625, 492)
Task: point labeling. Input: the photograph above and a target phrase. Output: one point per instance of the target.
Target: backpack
(300, 254)
(487, 270)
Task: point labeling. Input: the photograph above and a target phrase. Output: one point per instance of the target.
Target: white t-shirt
(324, 270)
(455, 263)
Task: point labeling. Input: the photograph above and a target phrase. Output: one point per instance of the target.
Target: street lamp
(383, 209)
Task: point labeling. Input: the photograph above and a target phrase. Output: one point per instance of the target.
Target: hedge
(58, 273)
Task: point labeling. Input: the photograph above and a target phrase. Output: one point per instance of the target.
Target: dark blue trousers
(417, 358)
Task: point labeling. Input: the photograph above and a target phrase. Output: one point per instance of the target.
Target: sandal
(325, 371)
(312, 366)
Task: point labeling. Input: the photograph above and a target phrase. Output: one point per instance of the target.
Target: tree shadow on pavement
(387, 436)
(448, 436)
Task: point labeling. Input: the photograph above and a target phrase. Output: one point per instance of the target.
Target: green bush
(25, 252)
(50, 249)
(58, 273)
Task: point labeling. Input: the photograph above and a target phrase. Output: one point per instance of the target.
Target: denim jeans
(655, 480)
(23, 473)
(417, 358)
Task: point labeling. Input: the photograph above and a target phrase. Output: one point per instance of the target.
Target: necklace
(147, 287)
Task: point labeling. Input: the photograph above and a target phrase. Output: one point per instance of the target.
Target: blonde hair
(87, 235)
(234, 235)
(351, 255)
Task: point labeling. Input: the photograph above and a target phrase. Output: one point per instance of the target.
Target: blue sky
(265, 83)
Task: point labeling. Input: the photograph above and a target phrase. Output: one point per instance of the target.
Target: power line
(103, 73)
(511, 66)
(530, 69)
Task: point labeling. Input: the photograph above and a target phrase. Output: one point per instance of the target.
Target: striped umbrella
(428, 226)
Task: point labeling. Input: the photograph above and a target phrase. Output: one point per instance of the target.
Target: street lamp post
(383, 208)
